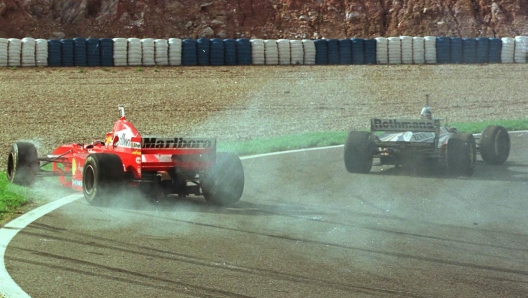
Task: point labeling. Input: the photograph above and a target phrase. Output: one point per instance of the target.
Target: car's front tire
(22, 164)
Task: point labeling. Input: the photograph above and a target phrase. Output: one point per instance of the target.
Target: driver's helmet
(426, 113)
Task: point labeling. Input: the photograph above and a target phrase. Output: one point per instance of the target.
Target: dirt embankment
(290, 19)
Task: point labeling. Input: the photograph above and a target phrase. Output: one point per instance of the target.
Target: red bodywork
(142, 157)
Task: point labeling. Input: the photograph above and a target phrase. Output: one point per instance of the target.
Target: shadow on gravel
(509, 171)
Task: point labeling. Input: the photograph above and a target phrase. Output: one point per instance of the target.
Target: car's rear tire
(223, 184)
(22, 164)
(495, 144)
(103, 176)
(358, 153)
(461, 154)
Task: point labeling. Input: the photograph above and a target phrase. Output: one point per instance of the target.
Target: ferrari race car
(402, 142)
(158, 166)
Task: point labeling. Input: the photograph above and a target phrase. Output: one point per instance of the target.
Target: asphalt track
(304, 228)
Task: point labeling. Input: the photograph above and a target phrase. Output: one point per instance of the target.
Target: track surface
(304, 228)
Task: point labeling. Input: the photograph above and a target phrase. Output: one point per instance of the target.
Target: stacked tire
(175, 51)
(296, 52)
(4, 43)
(28, 52)
(148, 55)
(120, 51)
(14, 52)
(134, 52)
(309, 51)
(161, 52)
(258, 55)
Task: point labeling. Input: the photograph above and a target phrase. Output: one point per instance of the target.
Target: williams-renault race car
(158, 166)
(402, 142)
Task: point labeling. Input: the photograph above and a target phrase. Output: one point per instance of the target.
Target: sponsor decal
(74, 166)
(138, 160)
(171, 143)
(136, 152)
(403, 124)
(124, 141)
(76, 182)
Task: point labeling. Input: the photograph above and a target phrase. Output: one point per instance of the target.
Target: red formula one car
(158, 166)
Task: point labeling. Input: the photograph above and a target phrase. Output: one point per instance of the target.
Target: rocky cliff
(291, 19)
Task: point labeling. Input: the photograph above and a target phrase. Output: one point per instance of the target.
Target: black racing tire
(461, 154)
(358, 153)
(495, 144)
(103, 176)
(22, 164)
(223, 184)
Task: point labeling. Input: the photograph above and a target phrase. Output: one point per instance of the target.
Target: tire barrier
(244, 51)
(456, 50)
(271, 52)
(345, 51)
(14, 48)
(395, 50)
(430, 49)
(4, 43)
(189, 56)
(406, 43)
(106, 51)
(369, 47)
(508, 50)
(358, 51)
(296, 52)
(134, 52)
(333, 51)
(418, 50)
(321, 52)
(161, 52)
(283, 50)
(469, 50)
(93, 57)
(175, 51)
(382, 50)
(120, 51)
(203, 46)
(230, 51)
(309, 52)
(257, 52)
(482, 50)
(79, 51)
(30, 52)
(443, 45)
(54, 52)
(521, 49)
(41, 52)
(217, 54)
(495, 46)
(67, 48)
(148, 57)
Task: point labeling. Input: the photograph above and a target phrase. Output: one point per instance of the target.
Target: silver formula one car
(401, 142)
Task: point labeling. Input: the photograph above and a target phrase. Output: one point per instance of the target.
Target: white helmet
(426, 113)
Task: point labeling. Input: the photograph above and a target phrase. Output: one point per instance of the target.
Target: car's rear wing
(185, 153)
(414, 125)
(156, 145)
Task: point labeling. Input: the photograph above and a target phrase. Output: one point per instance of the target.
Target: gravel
(53, 106)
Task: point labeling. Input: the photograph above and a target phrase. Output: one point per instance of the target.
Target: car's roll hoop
(121, 108)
